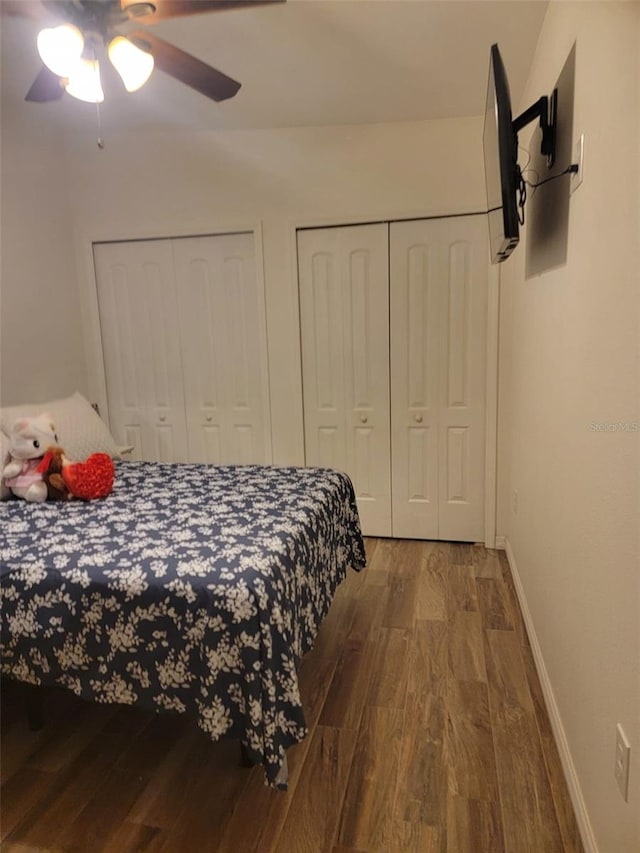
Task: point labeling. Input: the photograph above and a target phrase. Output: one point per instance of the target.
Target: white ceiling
(306, 62)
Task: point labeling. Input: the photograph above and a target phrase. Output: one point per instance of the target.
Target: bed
(191, 588)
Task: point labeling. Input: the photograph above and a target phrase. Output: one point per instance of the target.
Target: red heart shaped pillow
(90, 479)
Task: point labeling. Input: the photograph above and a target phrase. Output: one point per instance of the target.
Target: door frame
(491, 411)
(88, 292)
(492, 340)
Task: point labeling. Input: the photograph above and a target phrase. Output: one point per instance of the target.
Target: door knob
(209, 418)
(363, 419)
(419, 419)
(163, 418)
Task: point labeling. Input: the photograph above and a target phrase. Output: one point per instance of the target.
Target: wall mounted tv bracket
(546, 110)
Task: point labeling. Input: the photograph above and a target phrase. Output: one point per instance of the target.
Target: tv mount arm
(546, 110)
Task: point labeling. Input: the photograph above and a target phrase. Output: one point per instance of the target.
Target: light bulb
(84, 82)
(60, 48)
(132, 64)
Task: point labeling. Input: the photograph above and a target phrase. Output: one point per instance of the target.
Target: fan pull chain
(100, 140)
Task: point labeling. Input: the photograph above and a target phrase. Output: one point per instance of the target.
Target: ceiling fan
(84, 28)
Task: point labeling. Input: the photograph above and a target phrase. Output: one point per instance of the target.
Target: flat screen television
(500, 146)
(504, 181)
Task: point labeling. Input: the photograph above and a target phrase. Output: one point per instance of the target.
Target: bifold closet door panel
(141, 347)
(344, 313)
(416, 271)
(439, 278)
(221, 318)
(463, 382)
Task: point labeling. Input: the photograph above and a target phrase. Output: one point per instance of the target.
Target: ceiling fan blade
(179, 8)
(46, 87)
(186, 68)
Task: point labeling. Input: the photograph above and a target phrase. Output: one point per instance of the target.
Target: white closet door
(224, 352)
(439, 275)
(416, 274)
(344, 315)
(141, 345)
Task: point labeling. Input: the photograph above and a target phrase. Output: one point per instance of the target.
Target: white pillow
(5, 491)
(80, 429)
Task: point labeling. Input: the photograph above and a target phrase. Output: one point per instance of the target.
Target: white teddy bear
(29, 439)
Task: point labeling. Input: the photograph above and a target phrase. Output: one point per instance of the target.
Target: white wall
(569, 359)
(177, 183)
(41, 346)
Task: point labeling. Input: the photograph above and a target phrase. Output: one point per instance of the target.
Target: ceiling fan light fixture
(84, 83)
(132, 64)
(60, 48)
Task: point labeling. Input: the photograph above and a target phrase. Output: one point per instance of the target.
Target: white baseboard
(571, 777)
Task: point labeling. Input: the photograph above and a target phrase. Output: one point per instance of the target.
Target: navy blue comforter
(191, 588)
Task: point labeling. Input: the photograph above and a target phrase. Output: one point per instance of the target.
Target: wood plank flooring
(427, 733)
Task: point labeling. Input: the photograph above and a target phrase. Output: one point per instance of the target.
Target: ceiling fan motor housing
(137, 9)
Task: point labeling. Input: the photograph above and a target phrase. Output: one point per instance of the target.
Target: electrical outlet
(578, 157)
(623, 757)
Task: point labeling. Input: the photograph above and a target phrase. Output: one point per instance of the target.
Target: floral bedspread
(191, 588)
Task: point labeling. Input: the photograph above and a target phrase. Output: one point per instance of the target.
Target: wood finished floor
(427, 733)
